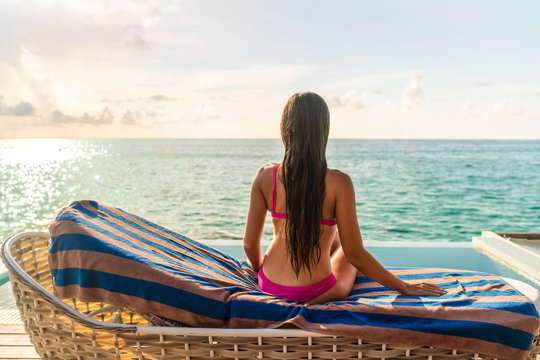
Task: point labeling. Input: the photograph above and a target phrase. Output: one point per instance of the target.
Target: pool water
(449, 255)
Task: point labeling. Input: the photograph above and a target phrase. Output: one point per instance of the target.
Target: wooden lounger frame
(72, 329)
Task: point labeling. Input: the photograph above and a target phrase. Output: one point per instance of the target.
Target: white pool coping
(521, 260)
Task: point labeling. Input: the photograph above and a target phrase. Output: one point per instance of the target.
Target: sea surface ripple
(406, 190)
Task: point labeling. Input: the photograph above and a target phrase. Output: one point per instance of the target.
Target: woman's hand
(423, 289)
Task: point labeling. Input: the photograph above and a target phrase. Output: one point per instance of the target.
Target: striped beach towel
(102, 253)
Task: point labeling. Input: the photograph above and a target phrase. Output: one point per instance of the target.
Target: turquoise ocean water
(406, 190)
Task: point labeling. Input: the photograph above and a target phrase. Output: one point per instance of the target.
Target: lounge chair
(72, 329)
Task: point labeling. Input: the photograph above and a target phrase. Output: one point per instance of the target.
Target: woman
(317, 247)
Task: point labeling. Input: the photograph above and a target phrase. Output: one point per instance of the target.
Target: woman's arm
(357, 255)
(255, 222)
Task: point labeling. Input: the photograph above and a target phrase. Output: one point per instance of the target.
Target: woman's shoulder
(338, 179)
(337, 175)
(266, 169)
(269, 166)
(265, 172)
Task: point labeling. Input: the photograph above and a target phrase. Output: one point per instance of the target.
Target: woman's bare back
(277, 266)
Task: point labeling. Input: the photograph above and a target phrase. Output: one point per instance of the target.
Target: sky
(224, 69)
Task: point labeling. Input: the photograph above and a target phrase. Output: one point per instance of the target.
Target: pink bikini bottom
(296, 293)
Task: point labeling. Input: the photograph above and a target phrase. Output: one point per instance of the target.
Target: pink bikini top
(284, 216)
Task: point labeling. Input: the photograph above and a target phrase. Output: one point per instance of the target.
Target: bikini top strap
(274, 190)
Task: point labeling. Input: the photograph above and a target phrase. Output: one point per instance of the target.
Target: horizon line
(255, 138)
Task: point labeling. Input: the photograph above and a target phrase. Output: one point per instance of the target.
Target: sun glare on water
(37, 151)
(39, 175)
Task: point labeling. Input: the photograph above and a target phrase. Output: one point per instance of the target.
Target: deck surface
(15, 344)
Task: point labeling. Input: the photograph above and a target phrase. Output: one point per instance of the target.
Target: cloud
(138, 39)
(377, 81)
(487, 83)
(123, 12)
(67, 29)
(349, 100)
(413, 94)
(101, 118)
(22, 75)
(59, 117)
(152, 113)
(506, 107)
(130, 118)
(160, 97)
(35, 83)
(139, 99)
(23, 108)
(250, 77)
(468, 109)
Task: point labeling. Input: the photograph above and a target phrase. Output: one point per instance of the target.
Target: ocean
(406, 190)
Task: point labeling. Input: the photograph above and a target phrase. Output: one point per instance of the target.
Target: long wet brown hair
(304, 130)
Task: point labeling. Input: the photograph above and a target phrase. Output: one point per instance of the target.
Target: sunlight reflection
(38, 151)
